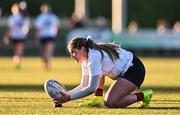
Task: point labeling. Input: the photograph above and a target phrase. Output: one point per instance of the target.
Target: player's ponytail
(91, 44)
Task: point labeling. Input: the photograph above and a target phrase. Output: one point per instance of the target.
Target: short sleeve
(9, 21)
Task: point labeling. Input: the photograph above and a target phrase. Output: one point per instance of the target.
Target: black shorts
(17, 40)
(45, 40)
(136, 72)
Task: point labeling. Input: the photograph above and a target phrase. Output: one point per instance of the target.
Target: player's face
(79, 55)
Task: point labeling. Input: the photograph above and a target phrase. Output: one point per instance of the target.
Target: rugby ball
(53, 88)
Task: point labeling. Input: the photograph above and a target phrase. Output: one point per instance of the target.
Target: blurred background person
(162, 26)
(103, 33)
(18, 25)
(76, 21)
(132, 27)
(101, 22)
(47, 27)
(176, 28)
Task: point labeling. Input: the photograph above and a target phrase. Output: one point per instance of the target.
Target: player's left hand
(64, 98)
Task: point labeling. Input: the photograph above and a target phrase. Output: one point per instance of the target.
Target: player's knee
(109, 104)
(113, 104)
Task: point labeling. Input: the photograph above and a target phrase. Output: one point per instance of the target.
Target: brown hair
(87, 43)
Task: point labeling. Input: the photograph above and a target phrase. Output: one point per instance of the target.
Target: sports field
(21, 91)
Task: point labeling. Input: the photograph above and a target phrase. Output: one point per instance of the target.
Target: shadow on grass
(135, 108)
(9, 87)
(158, 108)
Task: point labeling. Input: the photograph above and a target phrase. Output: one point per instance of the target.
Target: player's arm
(84, 83)
(38, 26)
(92, 86)
(84, 80)
(101, 82)
(26, 26)
(58, 25)
(99, 90)
(6, 36)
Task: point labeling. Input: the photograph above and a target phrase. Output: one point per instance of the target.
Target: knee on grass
(113, 104)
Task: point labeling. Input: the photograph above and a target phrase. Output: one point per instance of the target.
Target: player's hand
(64, 98)
(6, 40)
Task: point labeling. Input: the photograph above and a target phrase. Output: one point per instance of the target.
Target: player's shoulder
(93, 52)
(12, 17)
(94, 55)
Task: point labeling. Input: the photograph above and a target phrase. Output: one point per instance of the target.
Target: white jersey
(96, 67)
(18, 26)
(47, 25)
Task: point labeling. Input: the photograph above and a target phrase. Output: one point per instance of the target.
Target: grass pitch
(21, 91)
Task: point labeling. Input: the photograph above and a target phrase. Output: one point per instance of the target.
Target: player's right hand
(6, 40)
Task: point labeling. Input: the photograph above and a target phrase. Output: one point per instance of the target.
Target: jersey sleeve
(85, 75)
(10, 21)
(94, 63)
